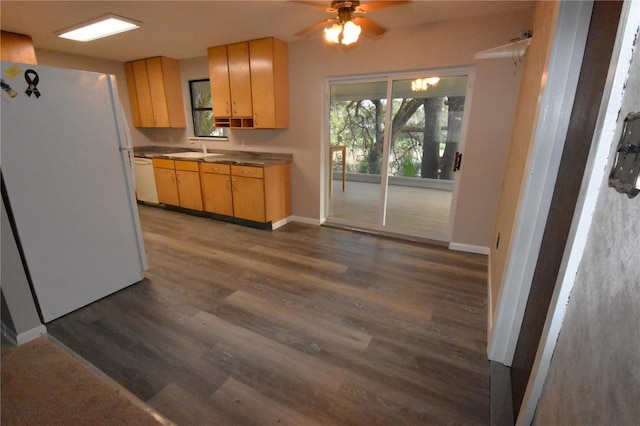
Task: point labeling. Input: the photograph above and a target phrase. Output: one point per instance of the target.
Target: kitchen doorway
(393, 144)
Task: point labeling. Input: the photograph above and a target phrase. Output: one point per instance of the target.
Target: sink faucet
(204, 149)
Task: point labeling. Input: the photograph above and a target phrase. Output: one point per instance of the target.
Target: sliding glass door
(399, 160)
(357, 129)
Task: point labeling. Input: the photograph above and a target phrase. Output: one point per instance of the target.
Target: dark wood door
(593, 74)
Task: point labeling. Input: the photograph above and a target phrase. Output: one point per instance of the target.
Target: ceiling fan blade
(369, 27)
(314, 27)
(375, 5)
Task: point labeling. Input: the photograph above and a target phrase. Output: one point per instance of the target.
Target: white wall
(311, 62)
(489, 134)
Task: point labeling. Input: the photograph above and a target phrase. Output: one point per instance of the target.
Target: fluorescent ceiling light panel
(97, 28)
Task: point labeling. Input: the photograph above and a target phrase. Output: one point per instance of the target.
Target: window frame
(195, 110)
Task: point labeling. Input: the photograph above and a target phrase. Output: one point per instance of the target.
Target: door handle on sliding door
(457, 162)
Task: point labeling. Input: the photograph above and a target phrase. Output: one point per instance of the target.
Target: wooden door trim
(562, 69)
(595, 170)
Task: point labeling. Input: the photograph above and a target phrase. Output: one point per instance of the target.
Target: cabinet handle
(235, 107)
(233, 185)
(228, 184)
(227, 106)
(255, 118)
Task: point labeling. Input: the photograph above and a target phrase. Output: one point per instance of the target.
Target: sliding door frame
(389, 78)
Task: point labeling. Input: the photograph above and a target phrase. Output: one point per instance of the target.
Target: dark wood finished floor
(303, 325)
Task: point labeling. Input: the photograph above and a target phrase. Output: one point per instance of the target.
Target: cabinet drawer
(189, 166)
(222, 169)
(247, 171)
(163, 163)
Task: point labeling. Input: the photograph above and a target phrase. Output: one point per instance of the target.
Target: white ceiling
(184, 29)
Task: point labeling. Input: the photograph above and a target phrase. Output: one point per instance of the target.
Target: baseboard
(469, 248)
(24, 337)
(307, 220)
(279, 223)
(489, 305)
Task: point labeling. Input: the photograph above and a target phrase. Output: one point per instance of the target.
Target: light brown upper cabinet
(17, 48)
(155, 92)
(230, 81)
(250, 84)
(219, 81)
(269, 83)
(239, 79)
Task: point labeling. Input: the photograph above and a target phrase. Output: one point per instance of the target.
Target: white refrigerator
(67, 180)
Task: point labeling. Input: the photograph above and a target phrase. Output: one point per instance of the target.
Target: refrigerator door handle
(125, 145)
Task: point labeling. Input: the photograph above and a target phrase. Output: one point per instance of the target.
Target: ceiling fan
(347, 25)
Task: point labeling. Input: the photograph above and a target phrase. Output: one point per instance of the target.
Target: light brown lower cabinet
(248, 198)
(166, 182)
(259, 194)
(188, 177)
(215, 180)
(178, 183)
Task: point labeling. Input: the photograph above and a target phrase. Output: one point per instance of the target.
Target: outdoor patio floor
(410, 210)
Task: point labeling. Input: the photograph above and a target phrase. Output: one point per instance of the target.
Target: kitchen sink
(190, 155)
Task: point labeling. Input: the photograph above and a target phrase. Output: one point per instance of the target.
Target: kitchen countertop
(248, 158)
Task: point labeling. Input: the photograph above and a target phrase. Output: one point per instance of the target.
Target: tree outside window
(425, 127)
(203, 123)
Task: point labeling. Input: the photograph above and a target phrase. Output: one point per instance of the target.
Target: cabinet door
(262, 83)
(219, 81)
(167, 186)
(216, 193)
(143, 92)
(157, 92)
(133, 94)
(189, 189)
(248, 198)
(239, 79)
(17, 48)
(269, 83)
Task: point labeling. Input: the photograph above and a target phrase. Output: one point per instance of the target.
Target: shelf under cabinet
(234, 123)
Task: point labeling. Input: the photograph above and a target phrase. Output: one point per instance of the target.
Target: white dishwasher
(145, 181)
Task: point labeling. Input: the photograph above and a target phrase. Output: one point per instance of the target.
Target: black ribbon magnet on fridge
(32, 80)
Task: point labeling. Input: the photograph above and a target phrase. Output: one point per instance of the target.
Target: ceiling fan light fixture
(347, 33)
(332, 34)
(350, 33)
